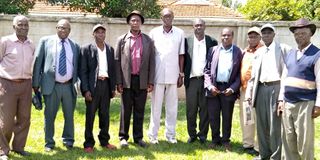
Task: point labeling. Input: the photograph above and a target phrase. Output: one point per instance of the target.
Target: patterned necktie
(62, 60)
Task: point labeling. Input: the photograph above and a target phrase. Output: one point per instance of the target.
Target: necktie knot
(63, 40)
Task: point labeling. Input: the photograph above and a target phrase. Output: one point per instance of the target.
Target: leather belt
(66, 82)
(269, 83)
(197, 77)
(102, 78)
(17, 80)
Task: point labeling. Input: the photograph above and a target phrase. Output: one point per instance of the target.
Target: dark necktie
(62, 60)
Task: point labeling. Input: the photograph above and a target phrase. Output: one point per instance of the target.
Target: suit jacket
(281, 51)
(123, 62)
(210, 42)
(89, 68)
(210, 71)
(45, 66)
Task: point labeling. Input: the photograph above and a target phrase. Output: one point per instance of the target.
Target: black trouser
(221, 104)
(101, 100)
(133, 100)
(196, 103)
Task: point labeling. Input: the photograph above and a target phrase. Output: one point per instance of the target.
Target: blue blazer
(45, 66)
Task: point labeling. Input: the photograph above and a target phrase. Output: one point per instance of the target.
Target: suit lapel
(144, 49)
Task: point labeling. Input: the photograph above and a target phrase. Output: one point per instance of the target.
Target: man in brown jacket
(135, 67)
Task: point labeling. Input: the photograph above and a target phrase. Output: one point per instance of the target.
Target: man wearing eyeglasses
(55, 72)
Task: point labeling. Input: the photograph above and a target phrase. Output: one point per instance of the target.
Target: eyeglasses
(63, 28)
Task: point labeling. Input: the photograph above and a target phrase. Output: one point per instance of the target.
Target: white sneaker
(172, 140)
(153, 141)
(123, 143)
(4, 157)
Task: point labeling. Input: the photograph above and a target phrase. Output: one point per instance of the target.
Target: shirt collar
(66, 40)
(197, 41)
(227, 50)
(305, 48)
(14, 38)
(272, 45)
(134, 36)
(164, 32)
(252, 50)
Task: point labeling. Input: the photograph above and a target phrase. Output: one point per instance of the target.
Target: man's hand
(315, 111)
(150, 88)
(35, 89)
(113, 94)
(215, 91)
(120, 88)
(180, 81)
(228, 92)
(280, 108)
(87, 96)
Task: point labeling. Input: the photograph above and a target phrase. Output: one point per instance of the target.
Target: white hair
(18, 18)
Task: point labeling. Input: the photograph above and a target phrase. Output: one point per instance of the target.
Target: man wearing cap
(263, 91)
(97, 75)
(16, 61)
(55, 73)
(135, 66)
(197, 47)
(169, 43)
(248, 129)
(300, 94)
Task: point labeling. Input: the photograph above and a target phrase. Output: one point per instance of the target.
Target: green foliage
(281, 9)
(113, 8)
(16, 6)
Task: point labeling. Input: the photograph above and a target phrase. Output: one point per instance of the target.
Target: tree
(113, 8)
(270, 10)
(16, 6)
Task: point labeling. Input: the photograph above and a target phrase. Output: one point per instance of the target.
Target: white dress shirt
(103, 63)
(168, 48)
(198, 57)
(269, 71)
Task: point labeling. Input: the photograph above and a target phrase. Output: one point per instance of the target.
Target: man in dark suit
(197, 47)
(222, 83)
(135, 67)
(97, 75)
(55, 73)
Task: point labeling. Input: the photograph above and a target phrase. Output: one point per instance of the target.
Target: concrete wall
(82, 26)
(81, 30)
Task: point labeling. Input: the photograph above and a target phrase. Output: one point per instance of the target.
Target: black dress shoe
(22, 153)
(68, 146)
(202, 140)
(191, 140)
(251, 151)
(141, 143)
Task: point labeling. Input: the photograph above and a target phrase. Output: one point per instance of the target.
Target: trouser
(170, 93)
(101, 101)
(298, 131)
(196, 103)
(133, 100)
(248, 131)
(224, 105)
(15, 108)
(61, 93)
(268, 123)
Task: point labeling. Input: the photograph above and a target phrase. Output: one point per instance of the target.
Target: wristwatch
(181, 74)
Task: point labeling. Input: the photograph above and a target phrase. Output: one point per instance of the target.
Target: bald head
(63, 28)
(199, 26)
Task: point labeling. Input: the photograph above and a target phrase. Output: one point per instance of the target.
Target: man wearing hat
(263, 91)
(97, 75)
(248, 129)
(135, 66)
(169, 43)
(300, 94)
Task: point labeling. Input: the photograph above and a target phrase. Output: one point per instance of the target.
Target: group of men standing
(277, 85)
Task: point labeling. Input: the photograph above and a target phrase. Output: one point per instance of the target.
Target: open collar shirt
(16, 58)
(198, 57)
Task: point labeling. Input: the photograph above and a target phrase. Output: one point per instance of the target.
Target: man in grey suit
(135, 68)
(55, 73)
(97, 75)
(263, 91)
(197, 47)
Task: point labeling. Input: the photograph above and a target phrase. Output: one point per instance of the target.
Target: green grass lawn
(163, 150)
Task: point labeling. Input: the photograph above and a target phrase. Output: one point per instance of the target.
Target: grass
(163, 151)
